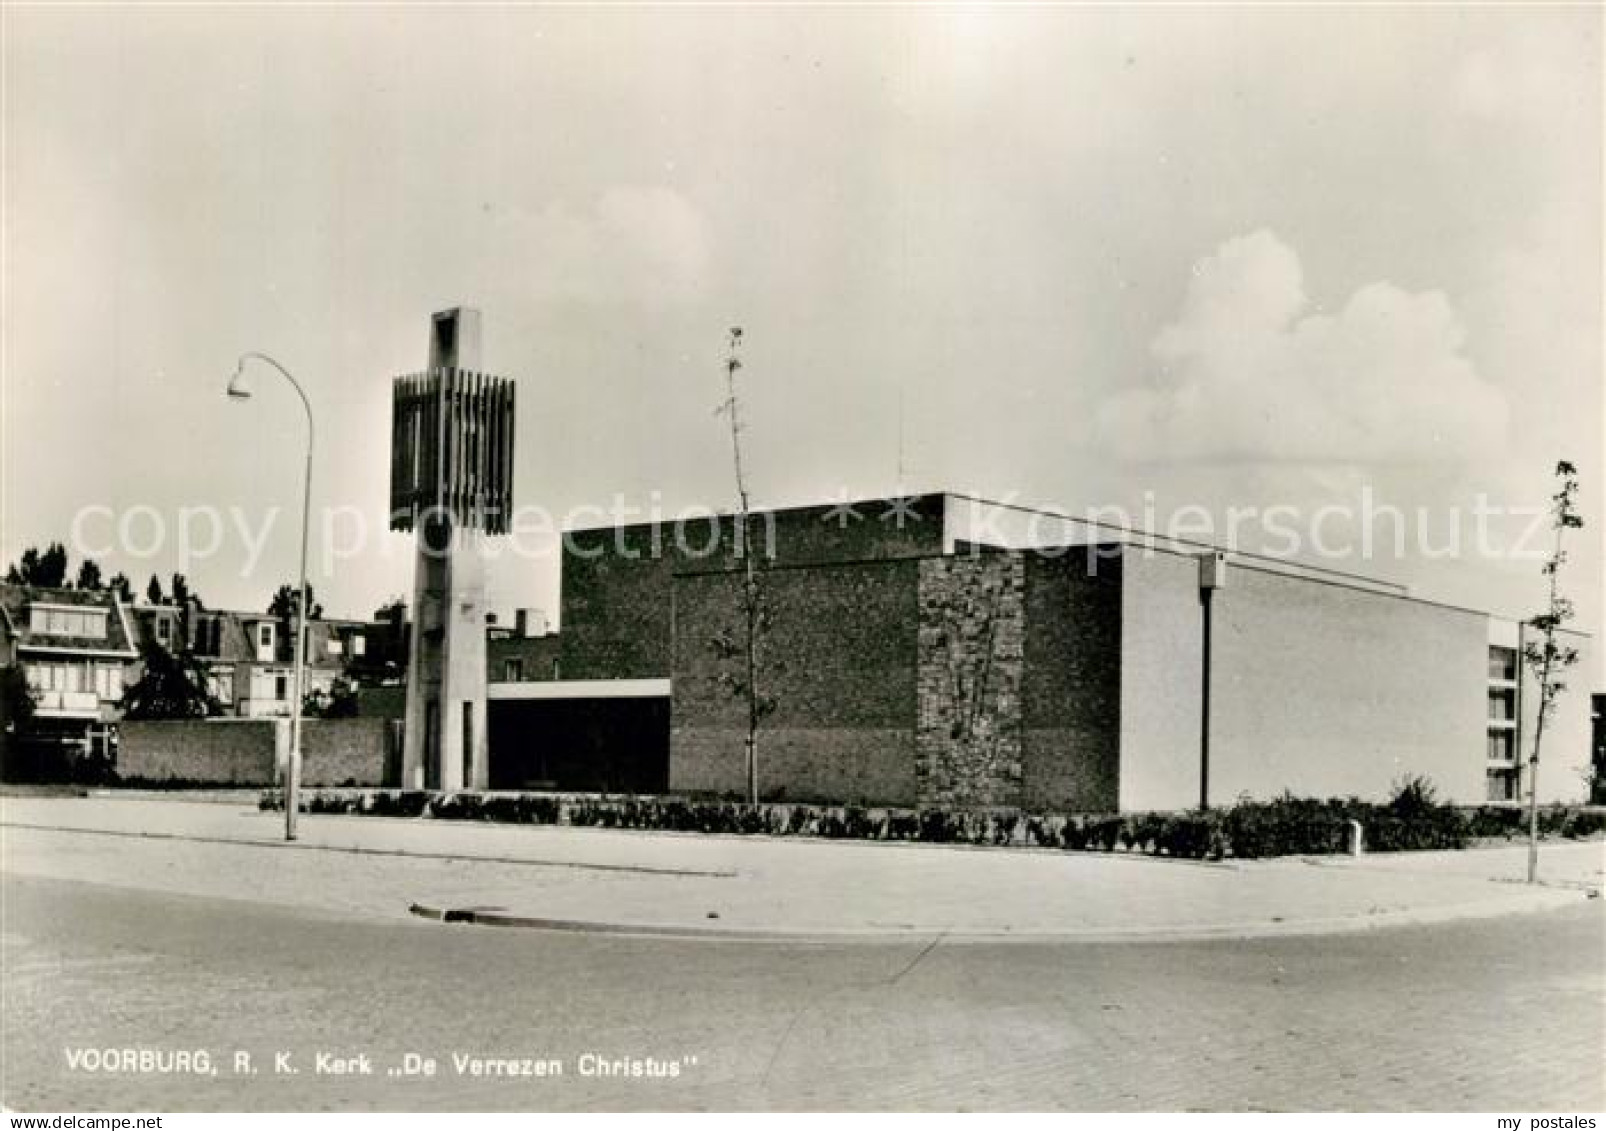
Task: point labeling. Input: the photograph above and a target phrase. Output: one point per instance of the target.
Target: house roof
(236, 641)
(16, 600)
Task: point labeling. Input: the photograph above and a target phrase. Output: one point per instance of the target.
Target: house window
(1502, 785)
(1502, 746)
(85, 623)
(1503, 664)
(281, 687)
(359, 644)
(1502, 703)
(209, 637)
(109, 682)
(164, 630)
(512, 670)
(52, 677)
(264, 636)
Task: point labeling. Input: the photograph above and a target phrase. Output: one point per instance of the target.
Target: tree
(153, 591)
(1547, 658)
(119, 584)
(183, 598)
(754, 619)
(88, 576)
(339, 702)
(171, 687)
(47, 569)
(17, 700)
(287, 599)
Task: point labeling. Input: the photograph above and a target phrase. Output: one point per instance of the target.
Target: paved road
(1501, 1014)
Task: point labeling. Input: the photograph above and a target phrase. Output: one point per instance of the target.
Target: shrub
(1193, 836)
(1103, 832)
(1497, 821)
(1286, 826)
(938, 826)
(1004, 827)
(1585, 823)
(1414, 798)
(1144, 831)
(903, 826)
(1412, 819)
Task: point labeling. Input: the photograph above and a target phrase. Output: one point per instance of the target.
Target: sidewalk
(751, 887)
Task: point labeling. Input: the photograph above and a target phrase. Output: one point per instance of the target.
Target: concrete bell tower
(451, 483)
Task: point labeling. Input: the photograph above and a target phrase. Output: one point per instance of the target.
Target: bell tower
(451, 484)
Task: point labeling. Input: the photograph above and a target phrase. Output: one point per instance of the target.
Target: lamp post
(292, 769)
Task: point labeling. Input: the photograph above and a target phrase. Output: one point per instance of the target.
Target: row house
(76, 648)
(249, 658)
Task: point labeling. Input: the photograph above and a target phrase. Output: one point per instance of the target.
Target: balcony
(67, 705)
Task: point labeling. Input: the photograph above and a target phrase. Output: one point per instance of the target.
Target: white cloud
(1248, 373)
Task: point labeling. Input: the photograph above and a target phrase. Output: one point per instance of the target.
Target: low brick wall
(349, 752)
(246, 751)
(213, 751)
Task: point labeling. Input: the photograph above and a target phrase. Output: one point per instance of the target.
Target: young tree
(171, 687)
(754, 620)
(153, 591)
(1547, 657)
(89, 577)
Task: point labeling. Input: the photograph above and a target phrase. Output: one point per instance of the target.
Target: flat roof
(578, 689)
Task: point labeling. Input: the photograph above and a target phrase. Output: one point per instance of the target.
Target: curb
(1530, 903)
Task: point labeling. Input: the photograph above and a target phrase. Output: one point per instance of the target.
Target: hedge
(1288, 826)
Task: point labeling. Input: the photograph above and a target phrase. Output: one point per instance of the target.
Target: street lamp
(292, 770)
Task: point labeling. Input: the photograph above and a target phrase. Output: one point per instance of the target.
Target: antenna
(900, 436)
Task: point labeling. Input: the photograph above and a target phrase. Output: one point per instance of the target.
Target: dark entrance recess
(586, 745)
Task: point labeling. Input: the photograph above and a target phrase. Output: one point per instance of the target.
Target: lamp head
(237, 387)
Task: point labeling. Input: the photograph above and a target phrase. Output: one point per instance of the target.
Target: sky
(1147, 258)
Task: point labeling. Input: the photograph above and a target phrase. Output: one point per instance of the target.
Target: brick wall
(839, 659)
(1071, 691)
(217, 752)
(534, 657)
(968, 745)
(616, 584)
(382, 702)
(615, 605)
(247, 751)
(349, 752)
